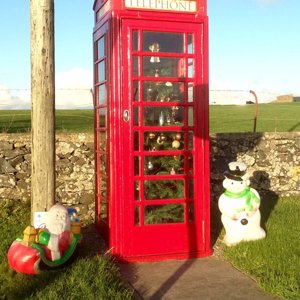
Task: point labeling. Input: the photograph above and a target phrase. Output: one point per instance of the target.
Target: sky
(253, 45)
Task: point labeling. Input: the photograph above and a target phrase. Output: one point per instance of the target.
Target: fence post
(255, 110)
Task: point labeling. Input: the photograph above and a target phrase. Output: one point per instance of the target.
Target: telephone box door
(163, 102)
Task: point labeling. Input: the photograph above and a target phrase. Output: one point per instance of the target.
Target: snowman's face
(235, 186)
(57, 220)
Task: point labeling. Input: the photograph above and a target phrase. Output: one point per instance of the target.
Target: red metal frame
(160, 241)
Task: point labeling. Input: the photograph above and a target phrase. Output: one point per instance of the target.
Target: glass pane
(190, 43)
(103, 188)
(190, 67)
(101, 49)
(164, 165)
(163, 189)
(103, 213)
(163, 91)
(136, 93)
(101, 94)
(102, 140)
(135, 66)
(191, 140)
(135, 116)
(167, 67)
(167, 140)
(191, 212)
(103, 168)
(163, 116)
(101, 71)
(136, 166)
(190, 116)
(191, 165)
(102, 117)
(191, 188)
(135, 40)
(190, 92)
(136, 190)
(162, 42)
(136, 141)
(137, 215)
(163, 214)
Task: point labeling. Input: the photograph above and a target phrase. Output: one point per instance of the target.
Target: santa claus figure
(239, 205)
(57, 235)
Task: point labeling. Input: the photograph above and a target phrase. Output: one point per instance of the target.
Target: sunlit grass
(89, 276)
(275, 261)
(273, 117)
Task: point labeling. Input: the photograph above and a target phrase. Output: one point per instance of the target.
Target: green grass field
(272, 117)
(274, 262)
(18, 121)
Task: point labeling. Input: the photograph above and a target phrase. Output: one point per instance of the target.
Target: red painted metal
(116, 206)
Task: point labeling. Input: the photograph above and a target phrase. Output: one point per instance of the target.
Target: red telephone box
(151, 128)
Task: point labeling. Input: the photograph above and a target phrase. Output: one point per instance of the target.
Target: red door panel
(163, 132)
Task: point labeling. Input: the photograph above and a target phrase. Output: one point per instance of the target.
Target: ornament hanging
(161, 119)
(172, 172)
(151, 135)
(175, 144)
(168, 119)
(178, 136)
(150, 165)
(154, 48)
(161, 139)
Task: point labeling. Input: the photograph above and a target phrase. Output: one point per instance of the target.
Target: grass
(274, 262)
(19, 121)
(273, 117)
(90, 276)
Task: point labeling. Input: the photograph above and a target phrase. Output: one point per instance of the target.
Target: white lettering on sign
(173, 5)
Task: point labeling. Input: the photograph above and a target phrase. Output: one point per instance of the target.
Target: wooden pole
(43, 105)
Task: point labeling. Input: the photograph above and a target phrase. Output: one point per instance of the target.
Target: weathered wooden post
(43, 105)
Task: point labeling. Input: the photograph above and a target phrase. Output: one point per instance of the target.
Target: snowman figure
(239, 205)
(56, 236)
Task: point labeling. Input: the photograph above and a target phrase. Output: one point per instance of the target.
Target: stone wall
(74, 167)
(273, 160)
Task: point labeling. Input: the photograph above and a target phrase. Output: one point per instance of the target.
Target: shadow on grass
(293, 128)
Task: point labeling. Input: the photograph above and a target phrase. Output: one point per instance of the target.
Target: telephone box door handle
(126, 115)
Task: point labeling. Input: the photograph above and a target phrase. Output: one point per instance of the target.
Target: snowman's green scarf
(247, 194)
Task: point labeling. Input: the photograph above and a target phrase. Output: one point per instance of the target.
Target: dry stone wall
(74, 170)
(273, 160)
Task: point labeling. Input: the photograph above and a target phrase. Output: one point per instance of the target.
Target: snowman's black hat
(235, 174)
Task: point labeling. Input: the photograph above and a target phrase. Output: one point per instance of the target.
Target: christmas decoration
(178, 136)
(150, 165)
(239, 205)
(172, 172)
(154, 48)
(53, 245)
(175, 144)
(161, 119)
